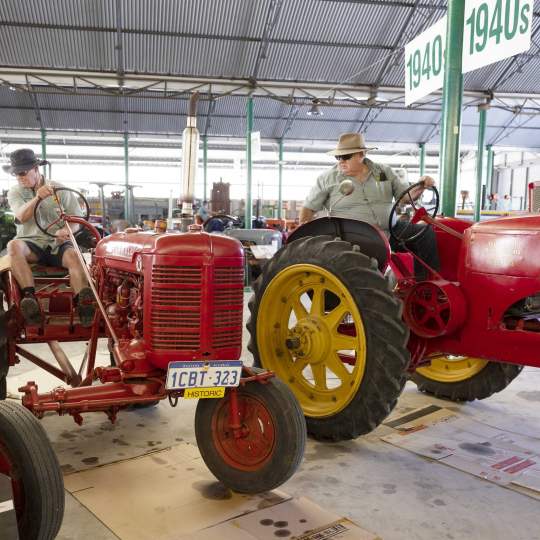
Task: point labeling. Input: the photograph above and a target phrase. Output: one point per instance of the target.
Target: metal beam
(452, 92)
(119, 45)
(271, 19)
(249, 130)
(127, 217)
(191, 35)
(422, 152)
(478, 201)
(280, 179)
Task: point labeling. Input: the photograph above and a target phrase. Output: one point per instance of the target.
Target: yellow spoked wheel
(324, 356)
(452, 369)
(324, 320)
(464, 378)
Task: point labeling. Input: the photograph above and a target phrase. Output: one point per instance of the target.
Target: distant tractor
(171, 307)
(326, 319)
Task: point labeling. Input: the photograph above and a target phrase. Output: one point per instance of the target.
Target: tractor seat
(39, 270)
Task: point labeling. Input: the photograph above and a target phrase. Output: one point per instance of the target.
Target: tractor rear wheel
(271, 442)
(462, 378)
(27, 458)
(4, 364)
(324, 320)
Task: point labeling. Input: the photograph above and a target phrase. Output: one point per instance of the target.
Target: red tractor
(171, 308)
(326, 319)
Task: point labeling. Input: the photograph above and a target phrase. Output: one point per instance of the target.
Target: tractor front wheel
(324, 320)
(268, 446)
(462, 378)
(28, 460)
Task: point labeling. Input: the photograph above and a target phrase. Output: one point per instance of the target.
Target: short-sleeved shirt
(203, 213)
(48, 212)
(371, 200)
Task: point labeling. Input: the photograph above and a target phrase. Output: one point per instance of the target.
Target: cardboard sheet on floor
(163, 495)
(485, 451)
(296, 519)
(170, 494)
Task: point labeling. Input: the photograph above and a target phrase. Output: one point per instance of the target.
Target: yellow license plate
(204, 393)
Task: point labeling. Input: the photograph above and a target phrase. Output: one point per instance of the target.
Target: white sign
(255, 145)
(424, 62)
(494, 30)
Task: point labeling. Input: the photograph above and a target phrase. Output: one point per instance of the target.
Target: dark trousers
(425, 247)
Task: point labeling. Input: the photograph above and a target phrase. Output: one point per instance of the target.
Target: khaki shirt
(371, 201)
(48, 212)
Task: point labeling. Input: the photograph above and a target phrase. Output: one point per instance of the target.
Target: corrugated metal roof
(319, 41)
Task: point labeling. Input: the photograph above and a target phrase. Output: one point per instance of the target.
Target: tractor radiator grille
(228, 307)
(179, 294)
(176, 308)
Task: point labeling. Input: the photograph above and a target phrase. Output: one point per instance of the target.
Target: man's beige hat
(350, 143)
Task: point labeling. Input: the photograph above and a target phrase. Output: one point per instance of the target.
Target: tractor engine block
(172, 297)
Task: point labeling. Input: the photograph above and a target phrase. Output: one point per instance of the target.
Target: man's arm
(25, 212)
(417, 192)
(306, 214)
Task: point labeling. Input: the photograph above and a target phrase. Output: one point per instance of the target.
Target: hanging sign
(424, 62)
(255, 145)
(495, 30)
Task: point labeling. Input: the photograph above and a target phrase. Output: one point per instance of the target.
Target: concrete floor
(384, 489)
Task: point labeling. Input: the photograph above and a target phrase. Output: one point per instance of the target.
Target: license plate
(214, 373)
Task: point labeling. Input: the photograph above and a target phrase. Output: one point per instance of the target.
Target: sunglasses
(21, 173)
(344, 157)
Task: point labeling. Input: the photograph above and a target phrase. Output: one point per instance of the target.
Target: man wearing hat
(31, 245)
(376, 188)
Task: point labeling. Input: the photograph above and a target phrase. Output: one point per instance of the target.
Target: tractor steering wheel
(408, 211)
(44, 227)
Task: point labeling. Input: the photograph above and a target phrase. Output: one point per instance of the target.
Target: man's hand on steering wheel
(45, 191)
(426, 182)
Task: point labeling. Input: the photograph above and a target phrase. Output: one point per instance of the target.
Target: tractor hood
(507, 246)
(124, 246)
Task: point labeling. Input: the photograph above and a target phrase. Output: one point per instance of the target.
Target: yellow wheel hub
(452, 369)
(310, 333)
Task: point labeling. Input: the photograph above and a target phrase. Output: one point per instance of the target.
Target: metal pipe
(44, 149)
(489, 169)
(73, 379)
(422, 147)
(205, 167)
(126, 179)
(280, 187)
(452, 95)
(479, 162)
(249, 129)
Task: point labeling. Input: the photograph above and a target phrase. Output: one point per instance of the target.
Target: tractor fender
(370, 239)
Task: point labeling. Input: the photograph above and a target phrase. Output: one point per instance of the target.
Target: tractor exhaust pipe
(190, 149)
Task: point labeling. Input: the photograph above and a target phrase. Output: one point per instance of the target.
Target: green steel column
(126, 178)
(489, 169)
(452, 94)
(479, 162)
(44, 149)
(280, 186)
(205, 165)
(422, 147)
(249, 203)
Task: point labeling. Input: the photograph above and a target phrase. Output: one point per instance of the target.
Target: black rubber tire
(23, 439)
(387, 356)
(4, 365)
(290, 438)
(495, 376)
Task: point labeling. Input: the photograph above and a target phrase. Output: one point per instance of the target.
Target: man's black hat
(23, 159)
